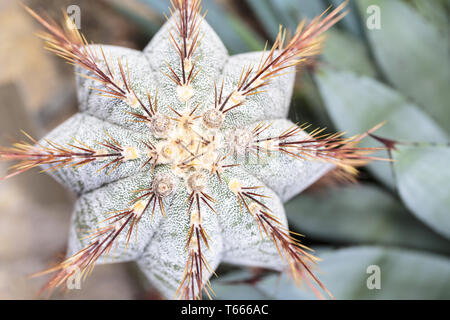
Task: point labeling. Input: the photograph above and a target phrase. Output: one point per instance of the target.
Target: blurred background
(388, 60)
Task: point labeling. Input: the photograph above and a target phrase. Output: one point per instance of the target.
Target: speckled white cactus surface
(182, 155)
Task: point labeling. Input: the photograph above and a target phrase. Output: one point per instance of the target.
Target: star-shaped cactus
(182, 156)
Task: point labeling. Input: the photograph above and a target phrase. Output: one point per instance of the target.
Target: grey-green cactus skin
(159, 242)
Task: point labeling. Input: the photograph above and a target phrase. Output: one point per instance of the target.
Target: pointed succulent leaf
(404, 56)
(236, 34)
(357, 103)
(346, 52)
(351, 22)
(265, 14)
(292, 11)
(362, 214)
(352, 274)
(423, 183)
(435, 12)
(235, 286)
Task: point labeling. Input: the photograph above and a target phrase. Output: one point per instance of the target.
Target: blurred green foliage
(404, 274)
(399, 73)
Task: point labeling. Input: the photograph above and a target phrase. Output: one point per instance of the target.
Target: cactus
(182, 156)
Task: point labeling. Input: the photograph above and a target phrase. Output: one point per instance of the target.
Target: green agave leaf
(357, 103)
(342, 51)
(247, 36)
(346, 52)
(307, 105)
(351, 22)
(266, 16)
(405, 274)
(148, 26)
(363, 214)
(271, 13)
(423, 179)
(291, 12)
(234, 286)
(413, 55)
(435, 12)
(236, 35)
